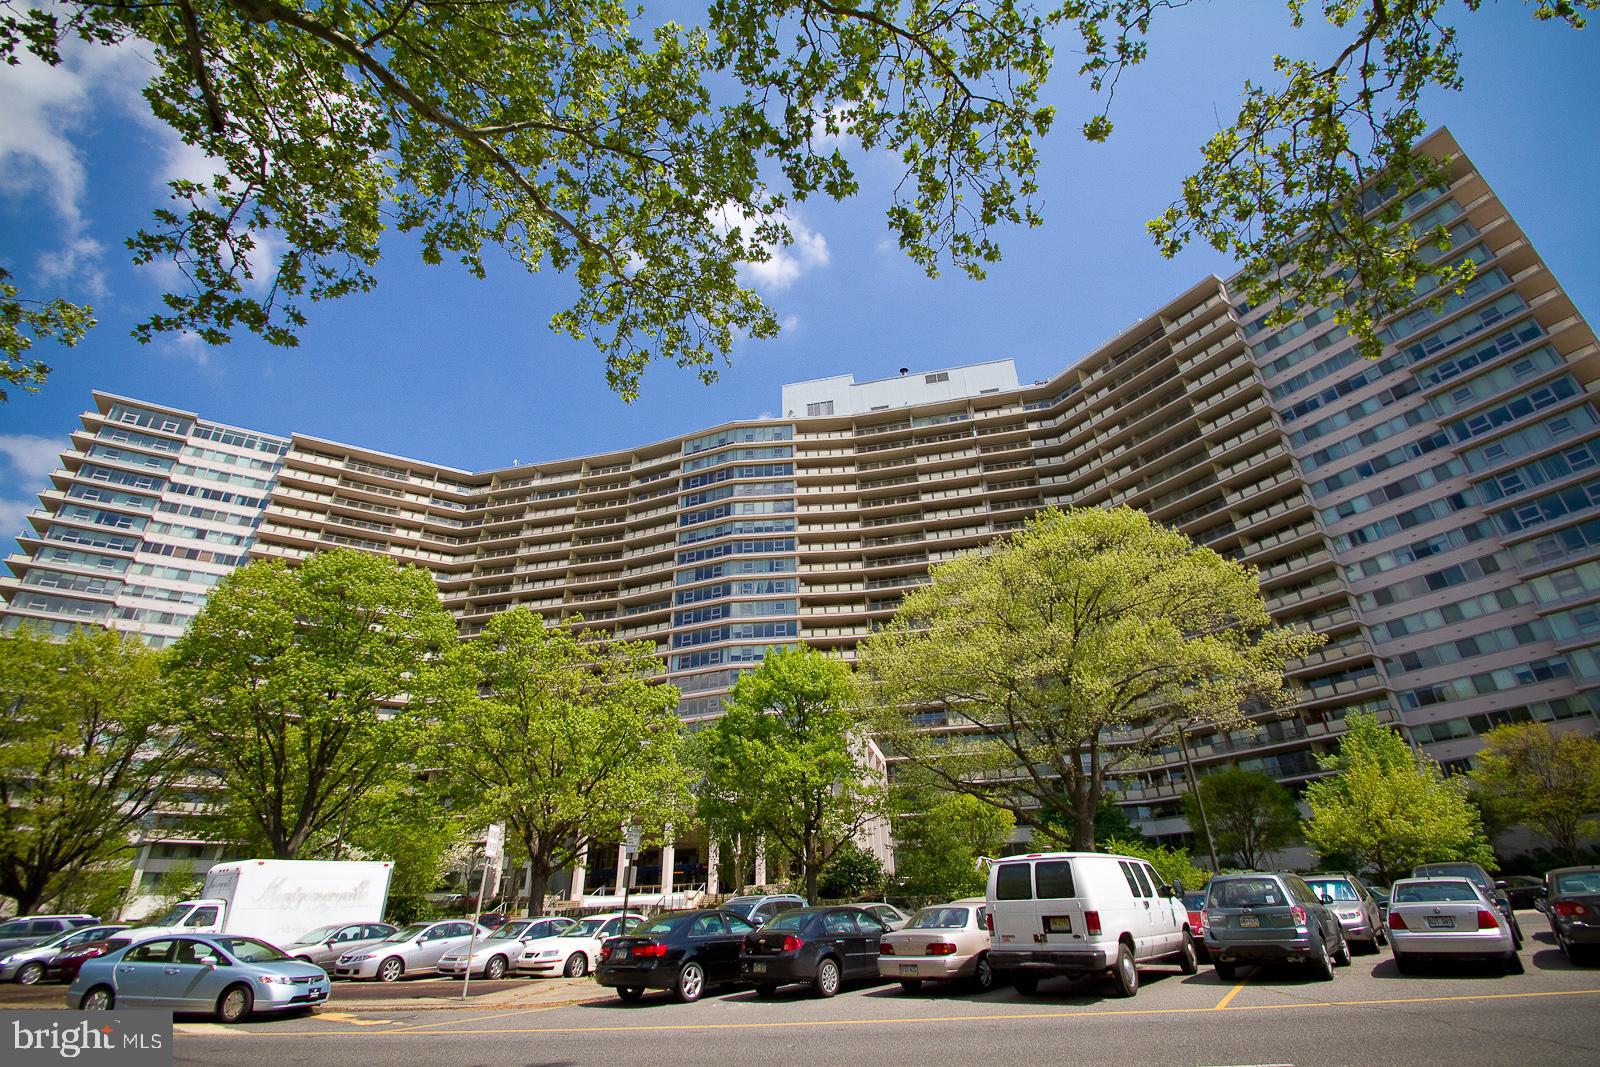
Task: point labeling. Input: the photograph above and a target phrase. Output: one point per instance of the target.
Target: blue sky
(435, 365)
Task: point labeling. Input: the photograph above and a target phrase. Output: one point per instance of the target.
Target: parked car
(684, 951)
(1271, 918)
(1356, 909)
(495, 955)
(64, 966)
(1083, 913)
(1573, 908)
(889, 915)
(1524, 892)
(940, 943)
(1380, 893)
(1448, 918)
(575, 951)
(32, 929)
(1194, 904)
(1492, 890)
(760, 910)
(229, 975)
(411, 949)
(824, 947)
(26, 966)
(324, 945)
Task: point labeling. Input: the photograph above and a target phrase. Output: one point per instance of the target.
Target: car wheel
(983, 975)
(1125, 976)
(30, 973)
(1381, 938)
(1513, 963)
(1188, 959)
(630, 993)
(766, 989)
(911, 985)
(234, 1004)
(691, 983)
(391, 969)
(1403, 965)
(496, 968)
(1322, 963)
(577, 965)
(1026, 986)
(1225, 971)
(1342, 957)
(827, 980)
(100, 998)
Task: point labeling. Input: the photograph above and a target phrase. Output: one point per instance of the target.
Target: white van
(1083, 913)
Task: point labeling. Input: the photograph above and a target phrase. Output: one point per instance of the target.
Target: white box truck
(278, 900)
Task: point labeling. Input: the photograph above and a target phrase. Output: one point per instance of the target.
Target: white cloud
(29, 457)
(807, 250)
(14, 517)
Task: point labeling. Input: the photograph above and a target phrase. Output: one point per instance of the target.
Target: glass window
(1130, 877)
(202, 917)
(197, 953)
(249, 950)
(1434, 890)
(941, 918)
(1246, 893)
(708, 926)
(150, 952)
(1013, 881)
(839, 922)
(1054, 879)
(737, 925)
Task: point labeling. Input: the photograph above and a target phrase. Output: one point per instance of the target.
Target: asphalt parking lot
(1369, 1014)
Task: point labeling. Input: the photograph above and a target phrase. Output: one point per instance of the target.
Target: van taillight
(1091, 923)
(988, 920)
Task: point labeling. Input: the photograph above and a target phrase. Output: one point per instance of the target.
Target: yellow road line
(898, 1021)
(1225, 1001)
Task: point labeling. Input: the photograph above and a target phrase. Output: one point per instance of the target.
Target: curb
(433, 1004)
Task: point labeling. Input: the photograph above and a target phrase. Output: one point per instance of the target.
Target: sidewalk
(426, 994)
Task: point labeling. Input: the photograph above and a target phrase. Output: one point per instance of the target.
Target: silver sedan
(941, 943)
(494, 956)
(324, 945)
(411, 950)
(1448, 918)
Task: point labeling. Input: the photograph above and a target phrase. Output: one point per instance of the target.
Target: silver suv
(32, 929)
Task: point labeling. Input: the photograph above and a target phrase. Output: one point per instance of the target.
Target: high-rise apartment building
(1436, 513)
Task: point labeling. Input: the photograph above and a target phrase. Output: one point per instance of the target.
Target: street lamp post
(1199, 798)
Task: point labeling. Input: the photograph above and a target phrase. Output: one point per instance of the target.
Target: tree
(86, 754)
(649, 165)
(939, 839)
(852, 872)
(1174, 865)
(1066, 652)
(1527, 773)
(786, 760)
(1251, 815)
(411, 823)
(1390, 807)
(564, 735)
(24, 321)
(1111, 823)
(302, 691)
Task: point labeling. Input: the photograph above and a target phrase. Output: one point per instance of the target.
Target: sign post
(494, 845)
(630, 847)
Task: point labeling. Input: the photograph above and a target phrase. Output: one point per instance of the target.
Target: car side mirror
(1177, 888)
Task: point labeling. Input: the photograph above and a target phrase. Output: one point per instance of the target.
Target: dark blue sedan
(215, 973)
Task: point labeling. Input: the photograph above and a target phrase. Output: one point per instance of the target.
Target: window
(839, 922)
(935, 379)
(1055, 880)
(197, 953)
(825, 407)
(150, 952)
(1013, 881)
(707, 926)
(1132, 879)
(202, 917)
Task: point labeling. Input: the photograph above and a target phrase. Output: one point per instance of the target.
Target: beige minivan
(1074, 914)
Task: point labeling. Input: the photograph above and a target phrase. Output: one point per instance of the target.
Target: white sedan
(1448, 918)
(496, 954)
(575, 952)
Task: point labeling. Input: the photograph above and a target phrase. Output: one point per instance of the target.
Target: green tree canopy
(850, 874)
(564, 735)
(1174, 865)
(86, 753)
(786, 760)
(1390, 807)
(1062, 654)
(648, 161)
(1251, 815)
(938, 839)
(302, 689)
(1549, 782)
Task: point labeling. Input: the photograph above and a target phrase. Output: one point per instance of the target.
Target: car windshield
(171, 917)
(1434, 891)
(1333, 888)
(321, 933)
(406, 933)
(249, 950)
(510, 931)
(943, 918)
(791, 920)
(662, 926)
(1246, 893)
(586, 928)
(1578, 882)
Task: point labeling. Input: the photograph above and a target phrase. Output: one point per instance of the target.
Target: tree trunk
(813, 874)
(538, 880)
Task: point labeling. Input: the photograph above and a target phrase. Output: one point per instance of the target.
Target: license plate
(1249, 921)
(758, 968)
(908, 968)
(1441, 922)
(624, 953)
(1058, 924)
(318, 994)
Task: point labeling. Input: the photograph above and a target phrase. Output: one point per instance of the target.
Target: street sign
(495, 842)
(630, 844)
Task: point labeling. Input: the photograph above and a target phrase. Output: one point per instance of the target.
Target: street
(1369, 1014)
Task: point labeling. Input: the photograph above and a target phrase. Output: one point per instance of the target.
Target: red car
(1194, 904)
(63, 967)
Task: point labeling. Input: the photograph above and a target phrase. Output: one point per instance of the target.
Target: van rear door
(1059, 908)
(1012, 907)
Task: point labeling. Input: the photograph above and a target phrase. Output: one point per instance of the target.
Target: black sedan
(824, 947)
(684, 951)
